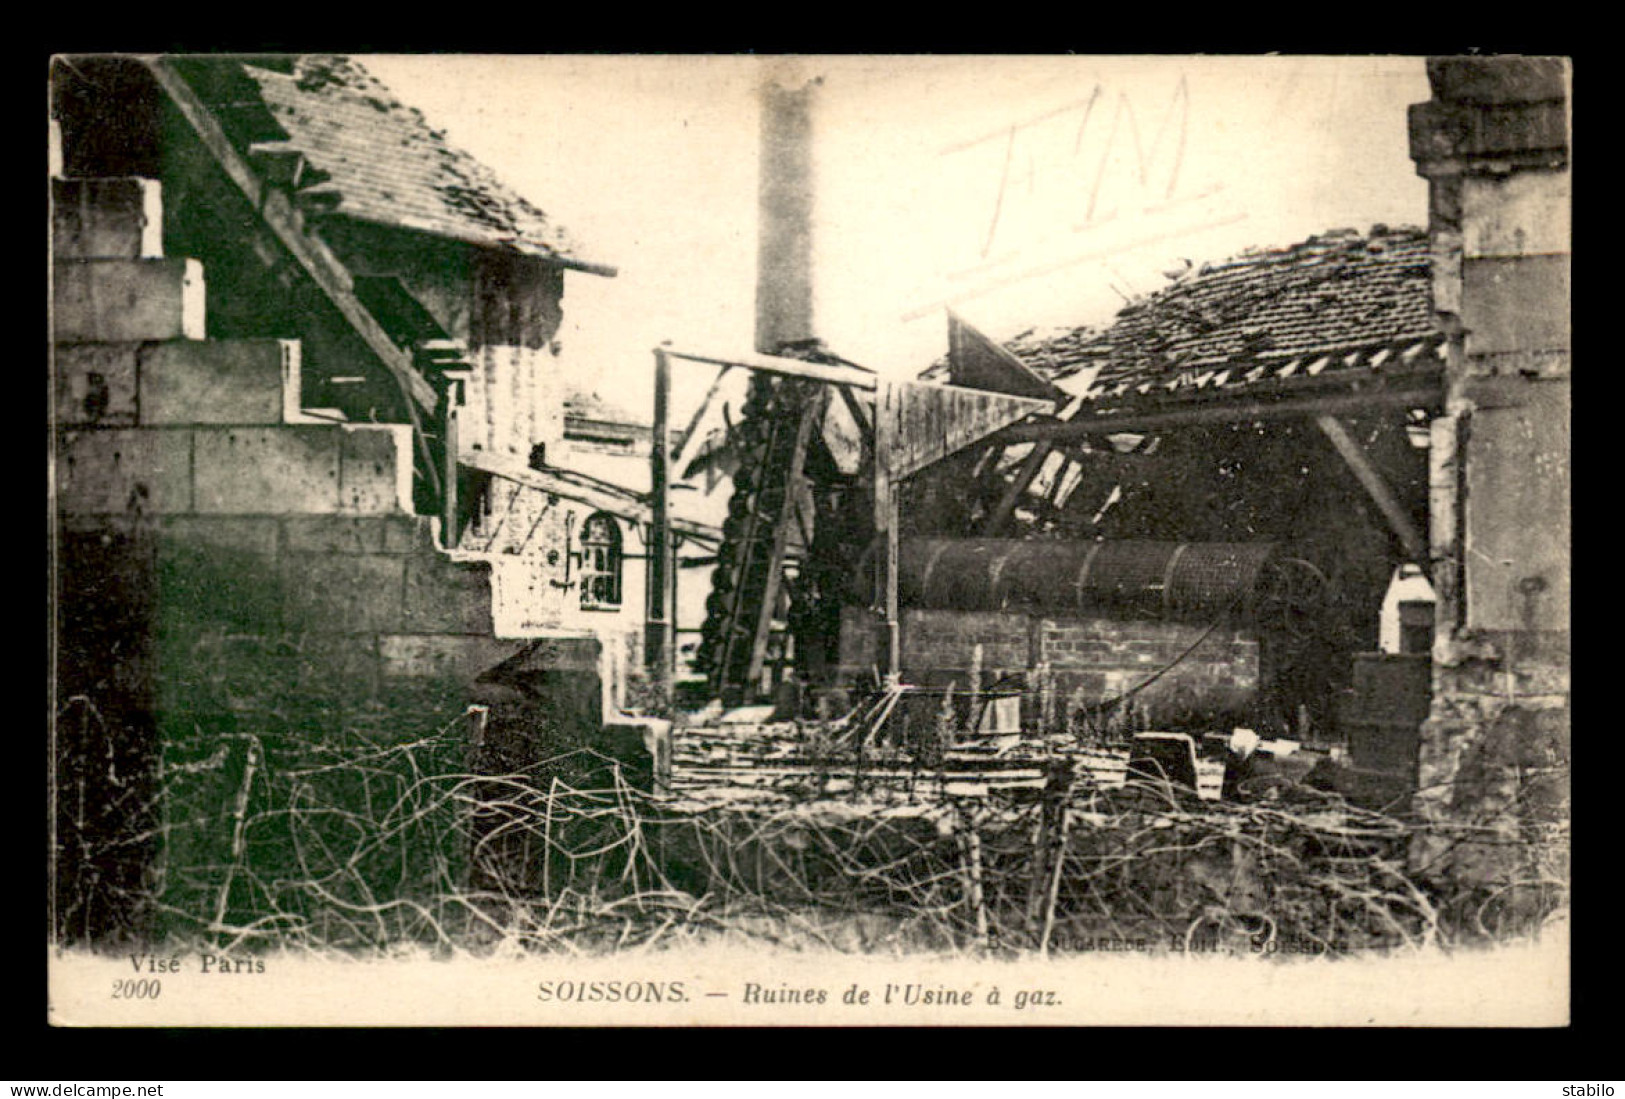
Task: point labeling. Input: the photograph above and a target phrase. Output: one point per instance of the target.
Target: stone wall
(1493, 143)
(224, 563)
(298, 530)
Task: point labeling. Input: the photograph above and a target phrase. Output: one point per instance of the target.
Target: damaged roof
(370, 157)
(1336, 302)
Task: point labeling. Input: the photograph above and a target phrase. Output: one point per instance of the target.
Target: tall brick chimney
(784, 256)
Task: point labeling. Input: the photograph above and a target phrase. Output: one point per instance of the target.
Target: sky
(1018, 191)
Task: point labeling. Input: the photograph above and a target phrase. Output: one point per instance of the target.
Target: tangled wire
(288, 838)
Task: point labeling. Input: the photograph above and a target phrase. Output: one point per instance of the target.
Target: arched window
(601, 563)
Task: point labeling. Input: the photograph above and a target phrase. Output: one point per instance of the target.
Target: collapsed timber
(274, 838)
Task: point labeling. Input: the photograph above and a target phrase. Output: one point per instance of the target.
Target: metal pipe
(1144, 578)
(788, 368)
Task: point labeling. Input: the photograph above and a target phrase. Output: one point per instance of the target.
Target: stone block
(1391, 746)
(1522, 214)
(107, 219)
(1092, 685)
(127, 300)
(1518, 466)
(220, 572)
(1531, 134)
(375, 470)
(326, 593)
(213, 382)
(1521, 364)
(276, 470)
(408, 534)
(235, 533)
(1084, 629)
(1531, 674)
(1091, 652)
(96, 384)
(124, 471)
(345, 534)
(447, 597)
(1493, 79)
(1516, 303)
(211, 667)
(1444, 270)
(327, 663)
(560, 654)
(441, 655)
(524, 601)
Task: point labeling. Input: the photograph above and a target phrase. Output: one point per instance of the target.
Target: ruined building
(314, 450)
(1319, 491)
(1246, 471)
(315, 458)
(1224, 492)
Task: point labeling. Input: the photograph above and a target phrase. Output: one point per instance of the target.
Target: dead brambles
(285, 840)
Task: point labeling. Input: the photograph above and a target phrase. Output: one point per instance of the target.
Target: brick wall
(938, 644)
(1096, 659)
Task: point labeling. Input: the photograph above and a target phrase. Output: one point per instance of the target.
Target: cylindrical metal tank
(1147, 579)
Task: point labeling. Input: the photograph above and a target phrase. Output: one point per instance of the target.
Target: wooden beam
(549, 256)
(804, 522)
(279, 214)
(1419, 393)
(629, 506)
(687, 436)
(1376, 487)
(886, 520)
(811, 414)
(1012, 495)
(865, 428)
(789, 368)
(1053, 499)
(657, 632)
(450, 510)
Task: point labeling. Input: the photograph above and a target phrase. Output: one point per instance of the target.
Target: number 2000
(143, 989)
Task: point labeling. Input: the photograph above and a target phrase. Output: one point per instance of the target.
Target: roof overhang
(530, 249)
(1342, 396)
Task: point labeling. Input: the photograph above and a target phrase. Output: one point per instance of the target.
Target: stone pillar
(1493, 144)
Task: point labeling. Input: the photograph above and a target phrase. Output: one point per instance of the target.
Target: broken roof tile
(1333, 294)
(387, 165)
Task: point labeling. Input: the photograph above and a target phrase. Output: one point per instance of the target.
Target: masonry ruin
(1290, 534)
(279, 397)
(1493, 143)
